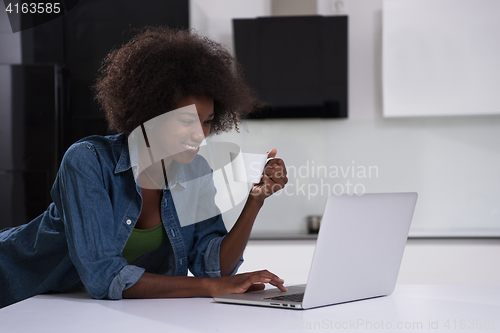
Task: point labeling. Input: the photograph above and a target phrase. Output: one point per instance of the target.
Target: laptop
(358, 253)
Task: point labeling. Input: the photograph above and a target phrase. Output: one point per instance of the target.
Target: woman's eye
(209, 121)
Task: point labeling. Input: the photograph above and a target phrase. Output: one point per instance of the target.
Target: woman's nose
(198, 134)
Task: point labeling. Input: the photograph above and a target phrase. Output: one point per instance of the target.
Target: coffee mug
(247, 168)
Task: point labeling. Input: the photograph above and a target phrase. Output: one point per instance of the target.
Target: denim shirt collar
(178, 175)
(175, 169)
(123, 163)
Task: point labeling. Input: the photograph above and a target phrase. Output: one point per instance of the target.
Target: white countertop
(411, 308)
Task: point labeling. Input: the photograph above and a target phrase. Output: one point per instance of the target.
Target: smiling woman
(182, 133)
(93, 234)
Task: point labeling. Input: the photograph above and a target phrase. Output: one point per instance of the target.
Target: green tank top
(142, 241)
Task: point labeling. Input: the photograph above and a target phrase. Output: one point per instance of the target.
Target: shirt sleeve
(80, 196)
(204, 257)
(125, 279)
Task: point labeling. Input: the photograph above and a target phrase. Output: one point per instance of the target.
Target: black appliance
(297, 65)
(46, 102)
(30, 110)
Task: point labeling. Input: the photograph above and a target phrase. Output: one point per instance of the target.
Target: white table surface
(411, 308)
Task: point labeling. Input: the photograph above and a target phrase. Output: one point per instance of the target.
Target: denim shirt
(78, 240)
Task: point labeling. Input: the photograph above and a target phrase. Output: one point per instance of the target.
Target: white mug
(247, 168)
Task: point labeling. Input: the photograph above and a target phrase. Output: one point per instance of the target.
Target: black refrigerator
(29, 139)
(46, 101)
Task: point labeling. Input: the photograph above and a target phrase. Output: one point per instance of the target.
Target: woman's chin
(184, 158)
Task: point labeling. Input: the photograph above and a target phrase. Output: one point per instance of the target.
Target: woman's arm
(231, 250)
(86, 207)
(161, 286)
(233, 245)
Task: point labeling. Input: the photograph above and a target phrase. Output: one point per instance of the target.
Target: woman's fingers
(256, 287)
(275, 167)
(267, 277)
(280, 286)
(275, 173)
(274, 177)
(273, 184)
(240, 283)
(272, 153)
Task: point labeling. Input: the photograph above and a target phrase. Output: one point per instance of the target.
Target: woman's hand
(274, 178)
(240, 283)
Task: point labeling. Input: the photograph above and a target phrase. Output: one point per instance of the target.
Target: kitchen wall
(425, 261)
(452, 162)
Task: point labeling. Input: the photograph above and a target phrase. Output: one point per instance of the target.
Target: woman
(91, 234)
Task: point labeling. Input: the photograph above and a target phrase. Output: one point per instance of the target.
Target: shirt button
(129, 222)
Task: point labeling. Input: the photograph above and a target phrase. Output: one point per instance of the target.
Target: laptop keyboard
(290, 297)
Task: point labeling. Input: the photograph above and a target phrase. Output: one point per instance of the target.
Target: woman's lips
(191, 147)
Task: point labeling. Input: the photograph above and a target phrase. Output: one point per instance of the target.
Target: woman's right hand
(240, 283)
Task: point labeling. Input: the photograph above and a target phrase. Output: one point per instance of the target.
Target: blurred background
(452, 161)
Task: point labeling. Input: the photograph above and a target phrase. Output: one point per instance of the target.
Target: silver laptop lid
(359, 248)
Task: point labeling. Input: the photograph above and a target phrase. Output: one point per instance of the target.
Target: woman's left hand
(273, 179)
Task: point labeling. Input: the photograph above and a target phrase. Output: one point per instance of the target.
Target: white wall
(425, 261)
(213, 18)
(452, 162)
